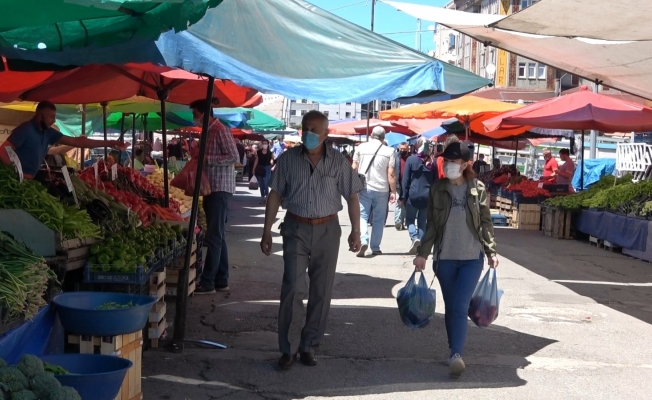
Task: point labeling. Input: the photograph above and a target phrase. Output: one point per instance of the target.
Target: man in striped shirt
(310, 182)
(221, 157)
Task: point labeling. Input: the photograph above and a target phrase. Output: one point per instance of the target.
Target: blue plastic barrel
(94, 376)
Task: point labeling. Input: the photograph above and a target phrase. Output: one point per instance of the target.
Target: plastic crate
(499, 220)
(518, 198)
(556, 188)
(136, 278)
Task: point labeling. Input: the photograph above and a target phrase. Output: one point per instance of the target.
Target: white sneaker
(415, 246)
(456, 365)
(363, 250)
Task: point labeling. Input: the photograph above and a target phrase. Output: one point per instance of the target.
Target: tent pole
(370, 104)
(163, 95)
(516, 153)
(582, 167)
(106, 152)
(83, 132)
(122, 136)
(182, 285)
(594, 133)
(133, 139)
(493, 153)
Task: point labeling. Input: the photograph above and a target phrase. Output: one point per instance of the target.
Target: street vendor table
(622, 231)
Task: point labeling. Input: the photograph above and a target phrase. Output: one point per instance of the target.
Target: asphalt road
(574, 324)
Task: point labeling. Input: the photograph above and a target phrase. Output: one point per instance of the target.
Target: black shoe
(204, 290)
(286, 361)
(376, 253)
(308, 358)
(223, 288)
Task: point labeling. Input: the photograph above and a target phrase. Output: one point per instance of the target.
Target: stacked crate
(129, 346)
(526, 217)
(157, 322)
(556, 222)
(173, 271)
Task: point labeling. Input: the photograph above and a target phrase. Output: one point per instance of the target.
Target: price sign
(540, 185)
(97, 174)
(114, 172)
(16, 161)
(71, 188)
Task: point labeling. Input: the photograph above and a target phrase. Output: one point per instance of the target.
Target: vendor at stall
(564, 174)
(139, 159)
(549, 167)
(32, 139)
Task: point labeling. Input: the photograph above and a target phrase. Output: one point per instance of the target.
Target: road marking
(604, 283)
(195, 382)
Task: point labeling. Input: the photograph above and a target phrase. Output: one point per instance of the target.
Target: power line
(348, 5)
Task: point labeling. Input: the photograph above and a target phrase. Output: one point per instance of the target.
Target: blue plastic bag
(485, 302)
(416, 303)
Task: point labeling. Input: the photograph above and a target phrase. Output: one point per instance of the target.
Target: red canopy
(582, 110)
(13, 83)
(103, 83)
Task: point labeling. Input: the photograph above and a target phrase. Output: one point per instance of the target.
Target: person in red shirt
(549, 167)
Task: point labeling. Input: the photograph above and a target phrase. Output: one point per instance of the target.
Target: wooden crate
(173, 279)
(156, 322)
(527, 217)
(129, 346)
(556, 222)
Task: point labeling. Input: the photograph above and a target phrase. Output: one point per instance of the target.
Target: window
(293, 101)
(303, 112)
(451, 41)
(348, 103)
(541, 71)
(304, 101)
(521, 70)
(293, 112)
(347, 115)
(326, 113)
(527, 3)
(531, 70)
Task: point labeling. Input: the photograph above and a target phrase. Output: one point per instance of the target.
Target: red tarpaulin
(583, 110)
(103, 83)
(360, 127)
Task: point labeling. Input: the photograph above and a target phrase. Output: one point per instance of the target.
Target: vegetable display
(24, 278)
(33, 197)
(505, 170)
(608, 193)
(115, 306)
(31, 380)
(529, 189)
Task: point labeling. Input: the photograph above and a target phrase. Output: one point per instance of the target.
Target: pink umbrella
(360, 127)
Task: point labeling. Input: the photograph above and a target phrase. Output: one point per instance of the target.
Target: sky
(390, 22)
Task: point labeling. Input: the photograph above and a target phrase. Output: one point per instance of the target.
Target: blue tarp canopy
(593, 170)
(293, 48)
(393, 139)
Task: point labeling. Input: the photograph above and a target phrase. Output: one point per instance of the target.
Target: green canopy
(151, 121)
(60, 24)
(256, 120)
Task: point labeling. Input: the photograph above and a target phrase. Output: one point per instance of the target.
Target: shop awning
(293, 48)
(58, 24)
(622, 63)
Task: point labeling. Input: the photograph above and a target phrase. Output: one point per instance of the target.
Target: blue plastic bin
(139, 277)
(96, 377)
(79, 314)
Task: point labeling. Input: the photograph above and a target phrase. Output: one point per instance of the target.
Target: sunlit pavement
(574, 324)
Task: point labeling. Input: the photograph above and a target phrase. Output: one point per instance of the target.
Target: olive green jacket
(478, 217)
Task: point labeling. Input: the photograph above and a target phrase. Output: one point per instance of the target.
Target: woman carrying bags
(459, 229)
(263, 168)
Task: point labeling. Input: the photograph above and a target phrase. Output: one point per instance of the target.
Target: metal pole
(83, 132)
(133, 139)
(106, 152)
(163, 95)
(182, 285)
(370, 104)
(582, 166)
(493, 153)
(594, 133)
(122, 136)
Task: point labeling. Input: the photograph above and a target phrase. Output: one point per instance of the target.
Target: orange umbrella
(467, 109)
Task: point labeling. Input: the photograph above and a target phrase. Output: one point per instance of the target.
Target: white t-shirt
(377, 179)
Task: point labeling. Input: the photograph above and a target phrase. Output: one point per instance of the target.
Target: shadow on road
(577, 261)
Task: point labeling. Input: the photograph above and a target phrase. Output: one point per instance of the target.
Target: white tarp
(623, 65)
(596, 19)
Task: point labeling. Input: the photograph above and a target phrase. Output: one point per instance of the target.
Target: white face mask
(264, 146)
(452, 170)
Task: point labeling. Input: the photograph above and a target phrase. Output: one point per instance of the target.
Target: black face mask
(404, 153)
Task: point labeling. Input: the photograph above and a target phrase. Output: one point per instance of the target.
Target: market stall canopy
(58, 24)
(14, 83)
(360, 127)
(68, 122)
(394, 139)
(622, 64)
(257, 120)
(318, 55)
(102, 83)
(583, 110)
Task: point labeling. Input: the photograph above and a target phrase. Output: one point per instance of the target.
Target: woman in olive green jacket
(459, 228)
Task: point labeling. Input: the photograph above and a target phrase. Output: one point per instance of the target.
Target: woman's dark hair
(564, 151)
(469, 173)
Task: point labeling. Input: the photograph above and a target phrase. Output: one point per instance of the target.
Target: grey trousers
(313, 248)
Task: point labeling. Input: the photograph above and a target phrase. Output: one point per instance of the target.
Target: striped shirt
(318, 193)
(221, 154)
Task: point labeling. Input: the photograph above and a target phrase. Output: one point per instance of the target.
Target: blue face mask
(310, 140)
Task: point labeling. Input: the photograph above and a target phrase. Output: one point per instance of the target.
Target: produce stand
(556, 222)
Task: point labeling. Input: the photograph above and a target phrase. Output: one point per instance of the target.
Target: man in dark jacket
(402, 155)
(420, 172)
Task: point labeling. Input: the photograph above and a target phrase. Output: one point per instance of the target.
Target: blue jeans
(419, 215)
(378, 201)
(458, 280)
(216, 267)
(399, 214)
(263, 181)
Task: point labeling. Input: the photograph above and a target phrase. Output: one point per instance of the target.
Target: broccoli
(65, 393)
(30, 366)
(44, 384)
(24, 395)
(12, 377)
(54, 369)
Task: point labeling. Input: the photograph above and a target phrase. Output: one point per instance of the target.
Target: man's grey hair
(546, 150)
(378, 133)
